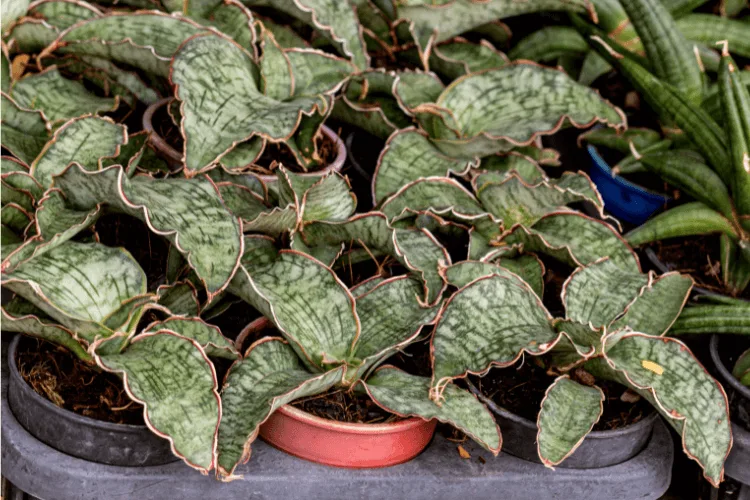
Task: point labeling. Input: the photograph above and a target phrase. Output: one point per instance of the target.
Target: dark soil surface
(697, 256)
(148, 249)
(521, 391)
(344, 406)
(60, 377)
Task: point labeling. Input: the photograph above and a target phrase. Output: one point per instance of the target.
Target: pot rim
(628, 429)
(722, 369)
(159, 143)
(351, 428)
(621, 181)
(15, 375)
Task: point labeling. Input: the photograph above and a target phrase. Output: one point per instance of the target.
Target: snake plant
(614, 328)
(718, 179)
(330, 337)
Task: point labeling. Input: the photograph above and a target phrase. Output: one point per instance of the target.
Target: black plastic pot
(599, 449)
(79, 436)
(737, 465)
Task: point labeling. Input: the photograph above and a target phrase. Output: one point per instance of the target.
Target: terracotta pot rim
(160, 144)
(351, 428)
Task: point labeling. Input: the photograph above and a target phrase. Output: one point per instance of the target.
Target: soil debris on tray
(342, 405)
(522, 389)
(60, 377)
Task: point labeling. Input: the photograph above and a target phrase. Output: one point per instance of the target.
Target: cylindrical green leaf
(689, 219)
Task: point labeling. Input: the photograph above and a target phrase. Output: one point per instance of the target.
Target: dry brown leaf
(462, 451)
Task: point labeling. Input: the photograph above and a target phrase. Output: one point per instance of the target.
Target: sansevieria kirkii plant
(614, 328)
(331, 336)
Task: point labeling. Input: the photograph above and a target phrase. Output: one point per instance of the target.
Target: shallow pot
(625, 200)
(354, 446)
(599, 449)
(174, 157)
(79, 436)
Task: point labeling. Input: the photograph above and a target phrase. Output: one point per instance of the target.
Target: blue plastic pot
(626, 201)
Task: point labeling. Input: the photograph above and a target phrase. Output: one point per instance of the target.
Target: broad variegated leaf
(316, 72)
(529, 268)
(416, 249)
(488, 116)
(31, 324)
(176, 383)
(309, 305)
(84, 286)
(146, 40)
(513, 321)
(408, 156)
(179, 298)
(576, 239)
(334, 19)
(463, 273)
(440, 195)
(222, 107)
(412, 88)
(657, 305)
(409, 395)
(330, 198)
(189, 212)
(63, 14)
(230, 17)
(58, 98)
(568, 413)
(81, 140)
(385, 328)
(683, 392)
(269, 376)
(459, 57)
(601, 291)
(12, 10)
(437, 21)
(25, 132)
(207, 336)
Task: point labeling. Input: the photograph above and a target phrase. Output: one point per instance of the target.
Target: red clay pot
(354, 446)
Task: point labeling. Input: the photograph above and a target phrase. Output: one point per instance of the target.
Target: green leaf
(568, 413)
(408, 395)
(12, 10)
(269, 376)
(529, 268)
(80, 285)
(44, 329)
(15, 217)
(491, 116)
(334, 19)
(709, 29)
(416, 249)
(412, 88)
(63, 14)
(459, 57)
(515, 202)
(317, 72)
(710, 319)
(741, 370)
(547, 44)
(83, 141)
(670, 55)
(463, 273)
(439, 195)
(387, 329)
(176, 383)
(408, 156)
(683, 392)
(575, 239)
(683, 170)
(684, 220)
(437, 21)
(146, 40)
(657, 305)
(514, 321)
(25, 132)
(329, 198)
(231, 113)
(5, 74)
(179, 298)
(308, 303)
(736, 105)
(498, 167)
(231, 18)
(207, 336)
(601, 291)
(188, 212)
(30, 35)
(620, 140)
